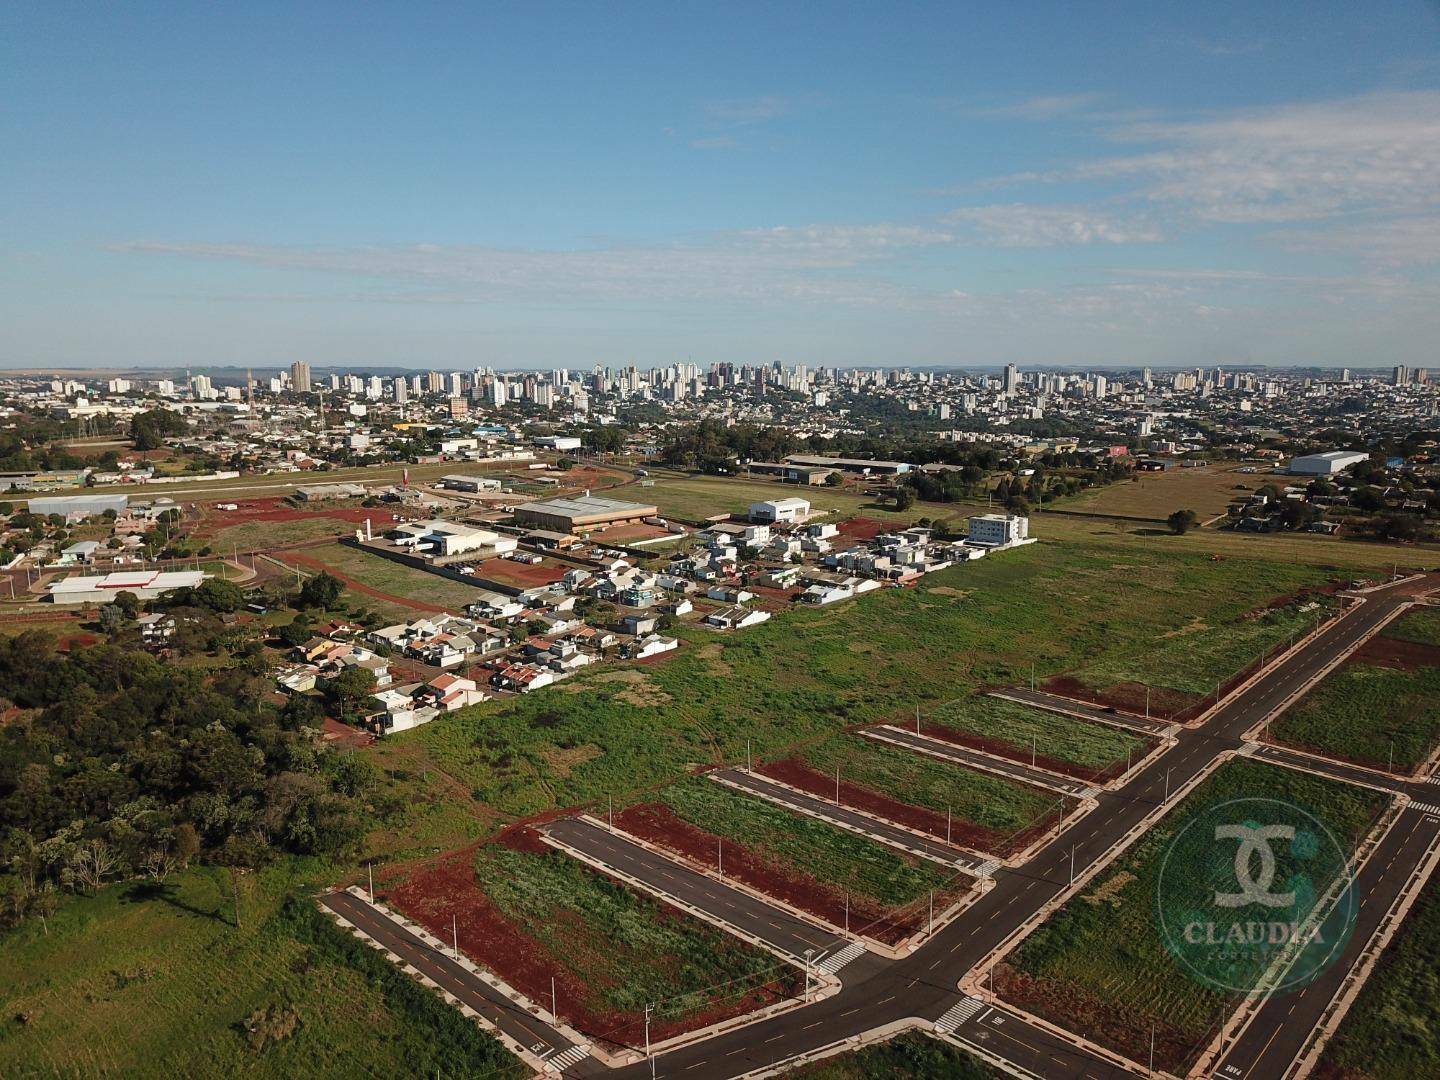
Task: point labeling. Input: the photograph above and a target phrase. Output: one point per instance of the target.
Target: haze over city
(565, 185)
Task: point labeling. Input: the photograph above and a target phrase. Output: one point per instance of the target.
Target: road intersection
(922, 989)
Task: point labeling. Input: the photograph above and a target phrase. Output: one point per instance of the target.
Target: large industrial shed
(581, 512)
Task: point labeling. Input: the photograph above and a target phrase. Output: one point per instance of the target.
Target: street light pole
(370, 867)
(648, 1007)
(947, 824)
(808, 954)
(1072, 864)
(837, 785)
(1167, 783)
(455, 936)
(720, 857)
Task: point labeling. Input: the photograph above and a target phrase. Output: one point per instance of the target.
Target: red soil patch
(1076, 1010)
(72, 642)
(520, 574)
(620, 533)
(1129, 697)
(967, 834)
(446, 889)
(660, 826)
(1394, 653)
(276, 510)
(863, 528)
(337, 734)
(1022, 756)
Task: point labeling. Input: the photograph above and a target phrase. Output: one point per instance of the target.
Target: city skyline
(561, 187)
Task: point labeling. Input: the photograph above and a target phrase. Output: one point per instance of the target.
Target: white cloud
(1026, 225)
(743, 112)
(1285, 163)
(1401, 241)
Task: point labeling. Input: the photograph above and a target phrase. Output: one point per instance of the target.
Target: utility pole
(1032, 676)
(837, 785)
(947, 823)
(648, 1007)
(808, 954)
(720, 857)
(1072, 864)
(917, 719)
(455, 936)
(932, 911)
(1033, 743)
(610, 811)
(554, 1001)
(1152, 1049)
(847, 914)
(371, 868)
(1167, 784)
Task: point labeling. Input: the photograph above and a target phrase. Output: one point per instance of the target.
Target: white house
(653, 645)
(735, 618)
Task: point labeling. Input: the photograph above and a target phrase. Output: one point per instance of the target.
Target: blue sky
(539, 184)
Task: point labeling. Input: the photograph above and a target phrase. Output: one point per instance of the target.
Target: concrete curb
(1049, 780)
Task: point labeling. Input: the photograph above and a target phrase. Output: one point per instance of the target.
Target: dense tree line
(149, 429)
(122, 765)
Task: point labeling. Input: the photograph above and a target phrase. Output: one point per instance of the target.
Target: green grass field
(912, 1056)
(267, 535)
(696, 497)
(1390, 1031)
(394, 578)
(808, 672)
(626, 948)
(798, 845)
(1420, 625)
(983, 799)
(1360, 711)
(1099, 964)
(1207, 491)
(143, 980)
(1020, 727)
(1195, 658)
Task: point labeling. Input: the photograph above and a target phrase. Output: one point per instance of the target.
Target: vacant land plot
(1389, 1033)
(1420, 625)
(1028, 735)
(696, 497)
(984, 811)
(1207, 490)
(805, 862)
(809, 672)
(912, 1056)
(393, 578)
(1099, 965)
(1191, 665)
(1381, 709)
(126, 980)
(531, 913)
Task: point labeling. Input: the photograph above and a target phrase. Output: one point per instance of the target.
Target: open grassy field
(1420, 625)
(1207, 490)
(991, 802)
(1196, 658)
(1099, 964)
(1017, 731)
(1362, 712)
(799, 845)
(144, 980)
(1362, 557)
(1389, 1032)
(811, 671)
(625, 948)
(912, 1056)
(701, 496)
(393, 578)
(264, 535)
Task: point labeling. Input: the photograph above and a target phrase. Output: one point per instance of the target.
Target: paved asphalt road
(923, 985)
(1055, 703)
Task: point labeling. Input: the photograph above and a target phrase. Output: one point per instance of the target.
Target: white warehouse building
(1328, 464)
(779, 511)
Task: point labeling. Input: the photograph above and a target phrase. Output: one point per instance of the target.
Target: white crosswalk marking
(1433, 779)
(1426, 808)
(835, 961)
(987, 868)
(958, 1014)
(562, 1061)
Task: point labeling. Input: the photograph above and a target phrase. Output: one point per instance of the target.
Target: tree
(1182, 521)
(148, 429)
(321, 591)
(296, 632)
(351, 689)
(219, 596)
(833, 479)
(904, 497)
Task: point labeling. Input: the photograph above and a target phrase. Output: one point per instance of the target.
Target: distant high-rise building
(458, 407)
(434, 382)
(400, 390)
(1012, 379)
(300, 376)
(1400, 375)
